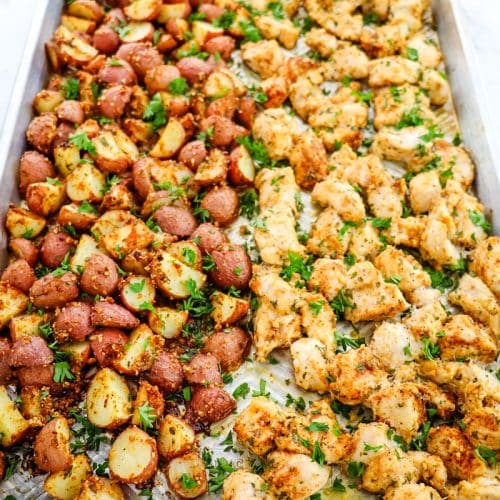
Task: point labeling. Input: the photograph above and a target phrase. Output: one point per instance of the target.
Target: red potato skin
(140, 177)
(79, 221)
(42, 131)
(141, 56)
(230, 346)
(107, 345)
(178, 106)
(175, 220)
(158, 78)
(116, 16)
(211, 404)
(34, 200)
(48, 455)
(166, 43)
(166, 372)
(64, 130)
(30, 351)
(211, 11)
(56, 244)
(112, 315)
(223, 129)
(34, 167)
(222, 204)
(233, 267)
(106, 40)
(113, 101)
(52, 291)
(223, 45)
(71, 111)
(39, 376)
(74, 321)
(246, 111)
(203, 369)
(5, 370)
(192, 154)
(208, 237)
(119, 75)
(24, 249)
(194, 69)
(224, 106)
(100, 276)
(20, 275)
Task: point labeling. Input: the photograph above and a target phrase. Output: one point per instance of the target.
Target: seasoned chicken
(317, 318)
(368, 440)
(398, 145)
(243, 484)
(431, 469)
(427, 320)
(479, 488)
(347, 60)
(329, 276)
(481, 427)
(322, 42)
(426, 49)
(435, 245)
(271, 28)
(309, 364)
(425, 191)
(386, 201)
(406, 231)
(265, 57)
(413, 491)
(329, 235)
(365, 242)
(485, 262)
(392, 71)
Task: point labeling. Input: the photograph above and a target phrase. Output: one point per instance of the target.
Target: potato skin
(211, 11)
(223, 44)
(233, 267)
(5, 370)
(42, 131)
(52, 291)
(246, 111)
(34, 167)
(119, 75)
(37, 376)
(203, 369)
(175, 220)
(194, 69)
(106, 40)
(192, 154)
(100, 276)
(30, 351)
(141, 56)
(74, 321)
(113, 315)
(56, 244)
(230, 346)
(51, 448)
(223, 106)
(208, 237)
(24, 249)
(113, 101)
(107, 345)
(167, 372)
(157, 79)
(223, 129)
(222, 204)
(211, 404)
(20, 275)
(71, 111)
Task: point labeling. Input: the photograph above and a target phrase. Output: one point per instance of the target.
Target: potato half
(187, 466)
(176, 437)
(66, 485)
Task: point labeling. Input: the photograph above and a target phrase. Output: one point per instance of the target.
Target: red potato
(138, 32)
(188, 253)
(223, 205)
(192, 154)
(96, 64)
(106, 40)
(211, 11)
(30, 351)
(69, 214)
(42, 131)
(116, 16)
(55, 246)
(177, 105)
(74, 321)
(222, 45)
(211, 404)
(166, 43)
(87, 9)
(157, 79)
(34, 167)
(141, 56)
(203, 369)
(233, 267)
(45, 198)
(150, 395)
(71, 111)
(38, 376)
(5, 370)
(208, 237)
(230, 346)
(52, 453)
(52, 291)
(120, 75)
(177, 28)
(166, 372)
(223, 130)
(113, 101)
(175, 220)
(223, 106)
(143, 10)
(241, 167)
(194, 69)
(24, 249)
(239, 131)
(100, 276)
(188, 465)
(246, 111)
(140, 176)
(20, 275)
(112, 315)
(107, 345)
(177, 9)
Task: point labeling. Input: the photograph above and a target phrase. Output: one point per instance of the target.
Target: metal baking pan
(469, 103)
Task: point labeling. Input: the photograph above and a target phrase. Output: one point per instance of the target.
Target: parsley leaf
(318, 455)
(317, 427)
(241, 391)
(257, 151)
(71, 89)
(82, 142)
(479, 220)
(178, 86)
(147, 416)
(250, 31)
(155, 112)
(342, 302)
(62, 372)
(248, 203)
(225, 21)
(412, 54)
(187, 482)
(430, 350)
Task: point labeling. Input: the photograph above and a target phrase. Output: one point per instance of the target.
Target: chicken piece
(354, 375)
(387, 200)
(474, 386)
(485, 262)
(282, 30)
(426, 321)
(385, 40)
(399, 145)
(277, 187)
(318, 319)
(265, 57)
(476, 299)
(243, 484)
(437, 86)
(322, 42)
(455, 158)
(347, 60)
(276, 89)
(291, 7)
(309, 365)
(406, 231)
(277, 130)
(368, 441)
(294, 475)
(457, 453)
(378, 7)
(392, 71)
(329, 276)
(409, 12)
(400, 407)
(391, 103)
(363, 171)
(413, 491)
(436, 247)
(295, 436)
(365, 242)
(308, 159)
(388, 468)
(479, 488)
(427, 50)
(481, 427)
(305, 95)
(340, 196)
(373, 299)
(431, 469)
(329, 235)
(258, 425)
(469, 231)
(393, 345)
(425, 191)
(465, 339)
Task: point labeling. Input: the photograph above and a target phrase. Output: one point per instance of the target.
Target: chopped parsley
(147, 416)
(178, 86)
(71, 89)
(81, 141)
(479, 220)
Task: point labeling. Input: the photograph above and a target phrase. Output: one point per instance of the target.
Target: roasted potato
(203, 369)
(107, 344)
(45, 198)
(12, 303)
(141, 56)
(211, 404)
(20, 275)
(42, 131)
(136, 291)
(175, 220)
(22, 223)
(100, 276)
(115, 152)
(74, 322)
(222, 204)
(176, 437)
(171, 140)
(194, 69)
(230, 346)
(241, 168)
(38, 376)
(85, 183)
(118, 74)
(30, 351)
(232, 266)
(52, 446)
(167, 322)
(53, 291)
(189, 465)
(24, 249)
(5, 369)
(192, 154)
(213, 169)
(208, 237)
(113, 315)
(166, 372)
(34, 167)
(66, 485)
(13, 426)
(86, 9)
(100, 488)
(148, 395)
(106, 40)
(55, 246)
(71, 111)
(113, 101)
